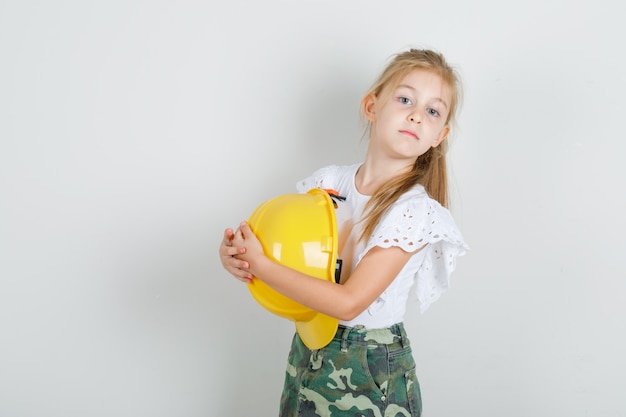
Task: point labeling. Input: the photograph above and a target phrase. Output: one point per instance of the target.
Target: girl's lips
(409, 133)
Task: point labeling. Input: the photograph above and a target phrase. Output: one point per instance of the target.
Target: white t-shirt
(413, 221)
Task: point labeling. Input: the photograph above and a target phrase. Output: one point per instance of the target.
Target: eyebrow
(440, 100)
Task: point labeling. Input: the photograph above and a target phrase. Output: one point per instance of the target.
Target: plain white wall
(132, 133)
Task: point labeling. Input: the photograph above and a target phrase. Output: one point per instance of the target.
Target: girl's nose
(414, 118)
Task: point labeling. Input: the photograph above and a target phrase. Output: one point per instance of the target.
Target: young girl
(394, 232)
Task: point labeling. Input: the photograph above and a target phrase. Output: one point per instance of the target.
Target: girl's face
(413, 120)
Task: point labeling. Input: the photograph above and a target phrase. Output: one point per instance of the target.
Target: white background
(133, 132)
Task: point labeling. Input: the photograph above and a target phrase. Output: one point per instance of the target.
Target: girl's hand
(253, 253)
(228, 250)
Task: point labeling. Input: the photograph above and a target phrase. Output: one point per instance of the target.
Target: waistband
(386, 336)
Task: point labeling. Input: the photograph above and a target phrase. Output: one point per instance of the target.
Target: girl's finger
(245, 230)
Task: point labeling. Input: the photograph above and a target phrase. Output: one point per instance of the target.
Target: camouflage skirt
(360, 373)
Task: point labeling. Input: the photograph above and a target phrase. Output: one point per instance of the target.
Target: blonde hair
(430, 168)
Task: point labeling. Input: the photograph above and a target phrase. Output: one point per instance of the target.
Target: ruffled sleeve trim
(414, 221)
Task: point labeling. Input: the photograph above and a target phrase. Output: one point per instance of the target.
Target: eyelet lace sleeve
(415, 221)
(322, 178)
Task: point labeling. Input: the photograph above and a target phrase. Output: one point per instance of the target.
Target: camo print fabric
(360, 373)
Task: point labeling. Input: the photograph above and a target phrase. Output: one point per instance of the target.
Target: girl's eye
(405, 100)
(433, 112)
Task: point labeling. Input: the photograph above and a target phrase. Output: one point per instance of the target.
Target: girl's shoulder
(420, 219)
(416, 220)
(327, 177)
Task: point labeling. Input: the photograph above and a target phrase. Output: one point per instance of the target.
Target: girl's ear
(369, 107)
(442, 136)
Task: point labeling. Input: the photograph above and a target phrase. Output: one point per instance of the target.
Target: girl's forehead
(425, 82)
(421, 78)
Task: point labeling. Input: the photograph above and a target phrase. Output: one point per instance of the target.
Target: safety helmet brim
(317, 332)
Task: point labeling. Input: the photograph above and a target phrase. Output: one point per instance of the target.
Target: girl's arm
(369, 279)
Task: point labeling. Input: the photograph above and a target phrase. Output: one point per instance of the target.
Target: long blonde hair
(430, 168)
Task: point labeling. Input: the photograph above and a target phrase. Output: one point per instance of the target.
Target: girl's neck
(374, 172)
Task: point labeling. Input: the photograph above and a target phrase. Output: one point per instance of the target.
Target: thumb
(244, 227)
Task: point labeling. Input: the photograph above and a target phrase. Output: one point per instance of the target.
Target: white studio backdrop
(132, 133)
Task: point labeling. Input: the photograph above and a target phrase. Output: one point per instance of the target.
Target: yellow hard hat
(298, 231)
